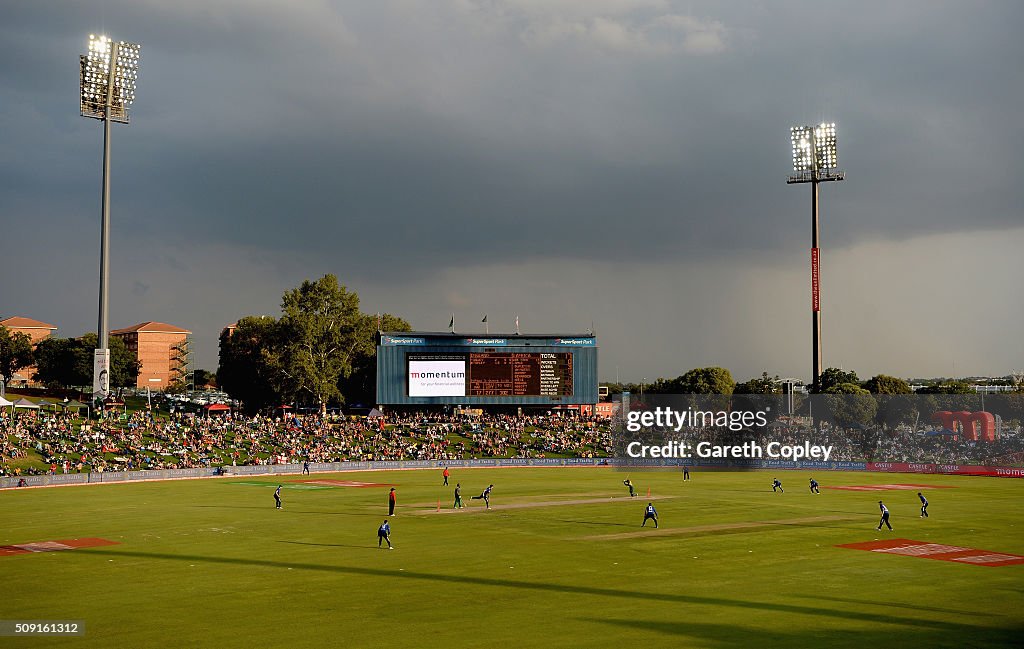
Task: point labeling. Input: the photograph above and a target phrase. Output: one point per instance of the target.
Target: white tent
(5, 402)
(25, 403)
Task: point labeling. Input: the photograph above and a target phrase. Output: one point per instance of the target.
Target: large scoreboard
(443, 368)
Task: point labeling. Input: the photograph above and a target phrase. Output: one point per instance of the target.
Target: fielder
(650, 514)
(384, 534)
(885, 516)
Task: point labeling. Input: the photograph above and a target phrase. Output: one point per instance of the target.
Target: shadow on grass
(727, 636)
(598, 523)
(333, 545)
(774, 527)
(912, 607)
(939, 627)
(289, 510)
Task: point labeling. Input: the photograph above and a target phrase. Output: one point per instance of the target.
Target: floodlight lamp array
(814, 148)
(95, 78)
(803, 148)
(825, 146)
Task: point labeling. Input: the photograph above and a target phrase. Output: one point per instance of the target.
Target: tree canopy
(251, 369)
(884, 384)
(834, 376)
(322, 350)
(320, 325)
(948, 387)
(707, 380)
(202, 378)
(15, 352)
(360, 386)
(846, 388)
(850, 405)
(763, 384)
(67, 362)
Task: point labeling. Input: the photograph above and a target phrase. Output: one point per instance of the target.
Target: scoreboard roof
(448, 338)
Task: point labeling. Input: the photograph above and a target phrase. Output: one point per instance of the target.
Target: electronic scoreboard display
(498, 374)
(490, 374)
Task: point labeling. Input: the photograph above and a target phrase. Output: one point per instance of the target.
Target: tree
(834, 376)
(57, 364)
(763, 384)
(176, 387)
(321, 322)
(714, 382)
(251, 368)
(15, 352)
(897, 409)
(203, 378)
(124, 367)
(846, 388)
(760, 394)
(949, 387)
(707, 380)
(953, 395)
(67, 362)
(884, 384)
(360, 386)
(851, 405)
(322, 347)
(894, 406)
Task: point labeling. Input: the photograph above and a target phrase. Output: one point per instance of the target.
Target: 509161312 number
(41, 627)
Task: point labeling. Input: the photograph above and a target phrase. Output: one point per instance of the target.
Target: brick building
(36, 331)
(162, 349)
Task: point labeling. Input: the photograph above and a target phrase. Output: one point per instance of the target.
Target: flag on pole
(517, 325)
(487, 327)
(378, 321)
(451, 324)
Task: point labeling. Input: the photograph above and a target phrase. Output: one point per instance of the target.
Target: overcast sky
(615, 162)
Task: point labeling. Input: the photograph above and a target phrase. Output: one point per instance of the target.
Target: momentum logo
(437, 375)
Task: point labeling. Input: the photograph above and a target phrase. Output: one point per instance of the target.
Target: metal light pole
(814, 161)
(108, 74)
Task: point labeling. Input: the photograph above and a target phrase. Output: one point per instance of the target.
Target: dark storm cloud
(401, 139)
(503, 144)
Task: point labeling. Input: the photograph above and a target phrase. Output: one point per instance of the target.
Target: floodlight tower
(815, 161)
(108, 74)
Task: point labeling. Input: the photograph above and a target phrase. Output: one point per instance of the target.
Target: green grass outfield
(556, 563)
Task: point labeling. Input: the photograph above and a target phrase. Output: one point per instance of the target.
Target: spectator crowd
(66, 443)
